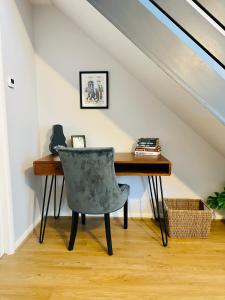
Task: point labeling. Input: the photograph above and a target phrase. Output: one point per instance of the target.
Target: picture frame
(94, 92)
(78, 141)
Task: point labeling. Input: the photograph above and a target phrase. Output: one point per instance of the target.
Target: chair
(92, 187)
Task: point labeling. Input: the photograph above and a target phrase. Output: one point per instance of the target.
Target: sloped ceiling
(166, 89)
(40, 2)
(145, 70)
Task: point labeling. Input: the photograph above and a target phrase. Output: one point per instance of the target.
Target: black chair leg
(73, 231)
(108, 233)
(83, 219)
(125, 214)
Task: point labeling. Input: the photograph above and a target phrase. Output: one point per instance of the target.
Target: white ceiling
(40, 1)
(144, 69)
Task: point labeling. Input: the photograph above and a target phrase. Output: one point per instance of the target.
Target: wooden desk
(126, 164)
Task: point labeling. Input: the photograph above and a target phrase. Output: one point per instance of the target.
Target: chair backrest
(90, 180)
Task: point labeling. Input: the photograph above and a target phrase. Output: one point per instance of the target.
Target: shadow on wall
(35, 184)
(134, 110)
(26, 17)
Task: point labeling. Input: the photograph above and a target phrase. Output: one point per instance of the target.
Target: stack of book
(147, 146)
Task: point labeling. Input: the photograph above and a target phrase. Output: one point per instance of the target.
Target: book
(148, 146)
(148, 140)
(137, 149)
(151, 142)
(147, 153)
(147, 149)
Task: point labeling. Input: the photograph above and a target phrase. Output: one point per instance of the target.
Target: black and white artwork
(94, 89)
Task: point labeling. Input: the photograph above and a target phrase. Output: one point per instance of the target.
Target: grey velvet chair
(92, 188)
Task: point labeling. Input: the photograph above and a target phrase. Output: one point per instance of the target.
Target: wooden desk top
(126, 164)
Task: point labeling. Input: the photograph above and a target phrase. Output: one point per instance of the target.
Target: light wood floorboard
(139, 269)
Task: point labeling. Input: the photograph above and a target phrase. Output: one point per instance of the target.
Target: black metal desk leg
(162, 222)
(125, 215)
(44, 214)
(56, 216)
(154, 190)
(54, 196)
(152, 198)
(163, 211)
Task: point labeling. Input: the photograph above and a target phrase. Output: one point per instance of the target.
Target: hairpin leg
(125, 215)
(60, 201)
(165, 241)
(154, 191)
(151, 197)
(44, 213)
(55, 197)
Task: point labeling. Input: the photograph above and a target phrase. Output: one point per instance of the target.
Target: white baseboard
(65, 214)
(27, 232)
(116, 214)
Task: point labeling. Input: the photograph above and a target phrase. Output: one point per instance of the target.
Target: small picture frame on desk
(94, 89)
(78, 141)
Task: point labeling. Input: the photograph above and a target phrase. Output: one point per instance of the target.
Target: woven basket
(187, 218)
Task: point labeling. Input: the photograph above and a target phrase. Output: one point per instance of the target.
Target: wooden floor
(139, 269)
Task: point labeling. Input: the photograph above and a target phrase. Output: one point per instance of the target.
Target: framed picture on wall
(78, 141)
(94, 89)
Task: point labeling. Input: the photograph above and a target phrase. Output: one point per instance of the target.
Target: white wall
(152, 73)
(7, 242)
(62, 50)
(21, 110)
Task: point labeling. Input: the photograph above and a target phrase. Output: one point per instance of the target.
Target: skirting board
(132, 213)
(216, 215)
(23, 237)
(118, 214)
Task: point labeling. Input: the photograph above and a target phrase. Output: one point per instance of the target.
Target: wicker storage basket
(187, 218)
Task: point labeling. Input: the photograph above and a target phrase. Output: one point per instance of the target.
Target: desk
(126, 164)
